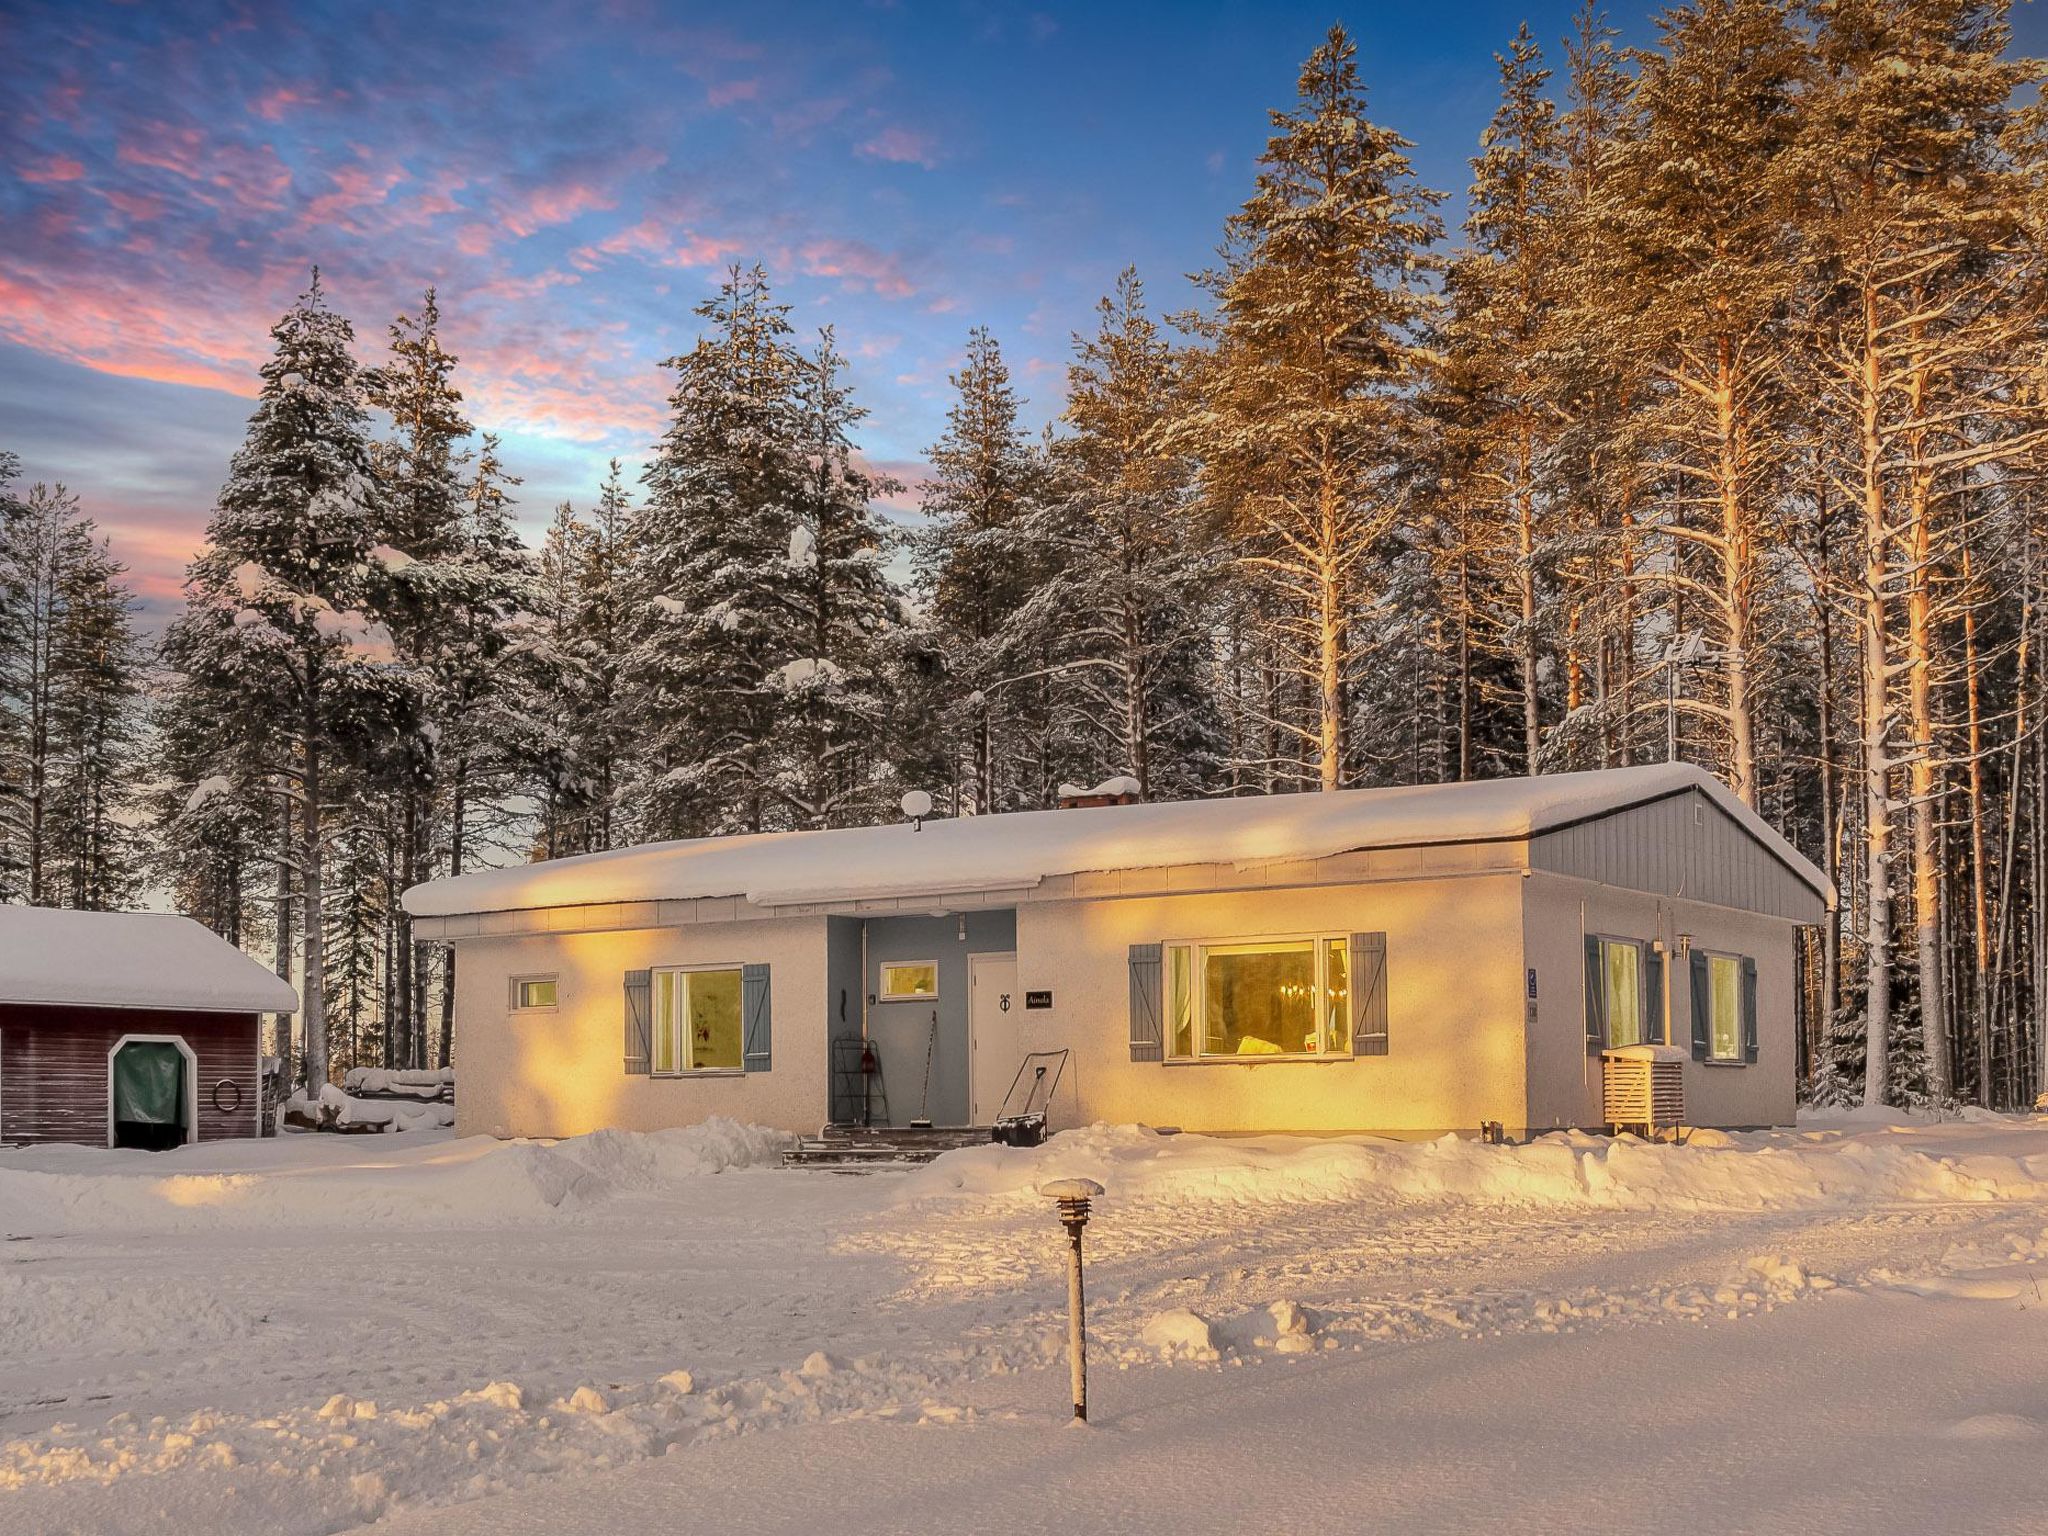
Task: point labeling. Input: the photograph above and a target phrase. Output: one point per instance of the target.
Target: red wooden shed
(129, 1029)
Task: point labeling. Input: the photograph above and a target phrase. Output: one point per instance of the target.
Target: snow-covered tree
(830, 758)
(711, 621)
(277, 633)
(976, 563)
(1304, 397)
(71, 674)
(1126, 606)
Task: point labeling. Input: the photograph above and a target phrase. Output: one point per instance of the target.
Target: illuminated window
(909, 981)
(1274, 997)
(1724, 1013)
(696, 1020)
(1621, 965)
(533, 994)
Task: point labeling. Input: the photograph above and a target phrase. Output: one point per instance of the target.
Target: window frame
(1319, 948)
(1642, 947)
(685, 1046)
(518, 983)
(884, 995)
(1740, 1056)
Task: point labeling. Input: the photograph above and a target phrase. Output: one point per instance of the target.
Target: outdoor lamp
(1073, 1196)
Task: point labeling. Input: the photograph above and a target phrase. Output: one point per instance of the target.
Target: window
(696, 1020)
(909, 981)
(1284, 997)
(533, 994)
(1621, 969)
(1724, 1011)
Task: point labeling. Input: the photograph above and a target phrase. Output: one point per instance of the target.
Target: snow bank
(475, 1182)
(1714, 1172)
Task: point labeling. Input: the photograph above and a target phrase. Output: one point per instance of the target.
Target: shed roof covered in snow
(130, 960)
(1020, 851)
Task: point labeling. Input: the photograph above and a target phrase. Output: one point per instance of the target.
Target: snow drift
(428, 1181)
(1712, 1171)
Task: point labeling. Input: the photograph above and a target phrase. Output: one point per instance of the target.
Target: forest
(1715, 433)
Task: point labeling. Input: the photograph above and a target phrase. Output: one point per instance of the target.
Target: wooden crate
(1643, 1088)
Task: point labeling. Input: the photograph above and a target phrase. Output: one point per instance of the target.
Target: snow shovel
(923, 1122)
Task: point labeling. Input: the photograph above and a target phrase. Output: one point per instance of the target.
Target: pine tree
(1305, 395)
(1706, 259)
(1501, 292)
(276, 636)
(1126, 605)
(1922, 308)
(70, 703)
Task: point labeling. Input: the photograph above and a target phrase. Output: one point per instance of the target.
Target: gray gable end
(1682, 846)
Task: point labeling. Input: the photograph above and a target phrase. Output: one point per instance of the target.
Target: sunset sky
(573, 178)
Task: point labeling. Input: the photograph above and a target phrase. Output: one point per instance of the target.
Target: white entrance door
(995, 1019)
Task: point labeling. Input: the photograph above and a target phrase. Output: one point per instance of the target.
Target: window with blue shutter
(755, 1008)
(639, 1024)
(1147, 1041)
(1596, 993)
(1702, 1007)
(1749, 1037)
(1368, 984)
(1653, 992)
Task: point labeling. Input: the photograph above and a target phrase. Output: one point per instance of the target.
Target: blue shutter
(1749, 1040)
(754, 1009)
(1369, 994)
(1147, 1042)
(639, 1026)
(1653, 984)
(1702, 1008)
(1596, 994)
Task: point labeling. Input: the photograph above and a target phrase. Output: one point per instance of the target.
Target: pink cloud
(727, 92)
(858, 263)
(56, 168)
(655, 242)
(900, 146)
(554, 205)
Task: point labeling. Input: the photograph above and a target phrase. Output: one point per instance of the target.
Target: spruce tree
(831, 764)
(276, 636)
(975, 564)
(710, 621)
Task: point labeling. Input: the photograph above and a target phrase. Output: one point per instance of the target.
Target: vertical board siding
(1658, 848)
(53, 1068)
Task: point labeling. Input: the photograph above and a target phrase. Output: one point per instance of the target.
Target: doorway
(149, 1093)
(993, 1033)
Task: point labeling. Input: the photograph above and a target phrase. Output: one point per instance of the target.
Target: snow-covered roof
(1019, 850)
(130, 960)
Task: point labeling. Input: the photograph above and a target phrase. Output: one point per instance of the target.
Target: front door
(995, 1038)
(150, 1095)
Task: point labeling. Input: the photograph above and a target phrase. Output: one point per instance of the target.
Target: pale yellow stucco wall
(1564, 1075)
(562, 1073)
(1454, 1009)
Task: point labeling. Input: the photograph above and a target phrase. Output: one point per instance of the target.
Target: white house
(1406, 960)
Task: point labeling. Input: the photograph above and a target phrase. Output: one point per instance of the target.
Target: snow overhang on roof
(1019, 851)
(130, 960)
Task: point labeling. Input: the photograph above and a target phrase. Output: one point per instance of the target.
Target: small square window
(532, 994)
(909, 981)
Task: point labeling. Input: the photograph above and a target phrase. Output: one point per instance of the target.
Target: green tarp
(149, 1084)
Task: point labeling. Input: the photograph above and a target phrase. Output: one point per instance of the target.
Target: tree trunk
(313, 952)
(1877, 827)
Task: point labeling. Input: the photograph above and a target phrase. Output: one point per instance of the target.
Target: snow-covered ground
(1833, 1329)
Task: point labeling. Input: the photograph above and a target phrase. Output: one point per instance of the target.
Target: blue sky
(573, 178)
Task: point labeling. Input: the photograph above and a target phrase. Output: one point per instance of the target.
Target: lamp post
(1073, 1196)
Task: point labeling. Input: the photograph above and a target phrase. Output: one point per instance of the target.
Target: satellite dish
(917, 804)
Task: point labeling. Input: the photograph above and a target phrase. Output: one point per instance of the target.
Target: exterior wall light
(1073, 1196)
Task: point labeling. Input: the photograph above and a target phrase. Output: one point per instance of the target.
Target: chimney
(1120, 790)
